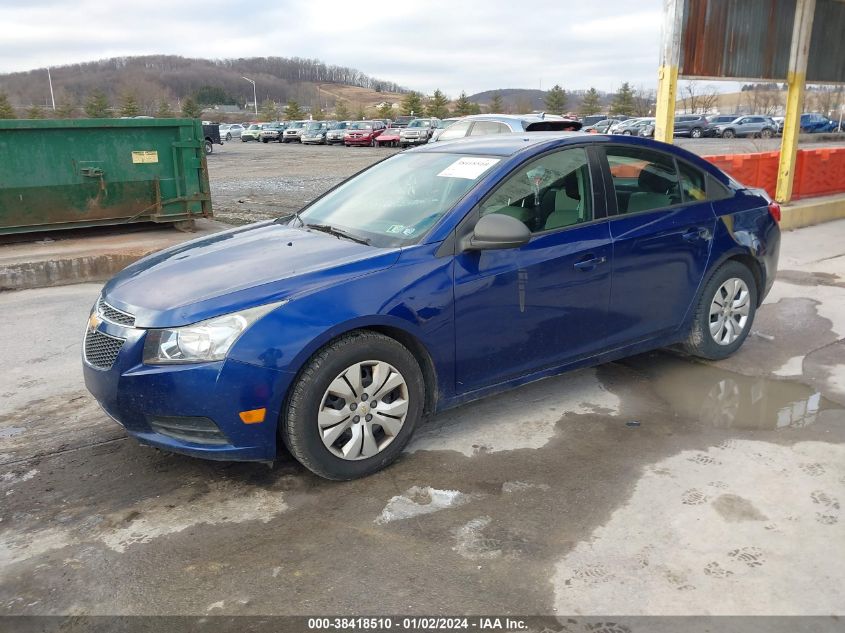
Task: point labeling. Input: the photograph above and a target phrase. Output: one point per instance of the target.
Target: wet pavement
(654, 485)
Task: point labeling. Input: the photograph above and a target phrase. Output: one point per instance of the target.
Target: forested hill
(153, 78)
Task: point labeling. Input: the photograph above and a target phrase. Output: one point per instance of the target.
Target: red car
(389, 138)
(363, 133)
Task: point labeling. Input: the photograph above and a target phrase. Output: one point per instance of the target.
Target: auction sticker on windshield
(469, 168)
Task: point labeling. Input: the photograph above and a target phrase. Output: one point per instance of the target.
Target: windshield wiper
(338, 233)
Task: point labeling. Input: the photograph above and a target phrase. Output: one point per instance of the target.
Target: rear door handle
(589, 263)
(698, 233)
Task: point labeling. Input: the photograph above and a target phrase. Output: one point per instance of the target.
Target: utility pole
(52, 97)
(254, 95)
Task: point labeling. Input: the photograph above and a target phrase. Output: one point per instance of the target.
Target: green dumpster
(57, 174)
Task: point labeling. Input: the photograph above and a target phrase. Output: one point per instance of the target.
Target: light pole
(254, 96)
(50, 80)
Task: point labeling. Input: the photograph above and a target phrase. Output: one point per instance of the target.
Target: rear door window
(643, 179)
(456, 130)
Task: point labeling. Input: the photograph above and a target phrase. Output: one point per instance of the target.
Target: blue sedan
(435, 277)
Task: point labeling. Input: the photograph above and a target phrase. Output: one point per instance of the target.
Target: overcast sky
(453, 45)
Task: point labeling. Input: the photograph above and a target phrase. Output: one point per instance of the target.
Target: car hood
(237, 269)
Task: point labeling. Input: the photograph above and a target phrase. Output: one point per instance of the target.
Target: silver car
(418, 132)
(231, 130)
(752, 125)
(485, 124)
(315, 132)
(293, 132)
(335, 134)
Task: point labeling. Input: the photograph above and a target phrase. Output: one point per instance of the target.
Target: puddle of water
(724, 399)
(11, 431)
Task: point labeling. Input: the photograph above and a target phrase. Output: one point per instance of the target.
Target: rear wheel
(766, 133)
(724, 313)
(208, 147)
(627, 133)
(695, 132)
(354, 406)
(228, 136)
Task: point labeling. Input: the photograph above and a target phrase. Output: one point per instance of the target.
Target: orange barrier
(818, 172)
(753, 170)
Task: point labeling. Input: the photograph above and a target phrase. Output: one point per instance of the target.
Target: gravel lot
(256, 181)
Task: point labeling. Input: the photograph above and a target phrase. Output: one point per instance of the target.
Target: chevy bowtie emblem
(94, 321)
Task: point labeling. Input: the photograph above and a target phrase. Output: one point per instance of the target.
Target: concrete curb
(78, 256)
(812, 211)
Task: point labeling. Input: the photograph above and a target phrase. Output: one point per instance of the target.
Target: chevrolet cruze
(435, 277)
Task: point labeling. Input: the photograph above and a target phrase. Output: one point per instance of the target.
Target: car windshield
(361, 125)
(342, 125)
(422, 188)
(313, 127)
(296, 124)
(255, 127)
(419, 123)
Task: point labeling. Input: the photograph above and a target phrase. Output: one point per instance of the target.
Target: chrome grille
(101, 350)
(114, 315)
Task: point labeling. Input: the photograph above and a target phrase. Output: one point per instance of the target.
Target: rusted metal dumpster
(58, 174)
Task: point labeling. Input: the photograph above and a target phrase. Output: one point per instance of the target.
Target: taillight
(774, 211)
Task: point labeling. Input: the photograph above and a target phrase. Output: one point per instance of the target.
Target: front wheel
(228, 136)
(627, 133)
(354, 406)
(767, 133)
(728, 134)
(724, 313)
(695, 132)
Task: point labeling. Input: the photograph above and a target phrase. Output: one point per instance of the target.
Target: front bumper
(413, 140)
(137, 396)
(313, 139)
(357, 141)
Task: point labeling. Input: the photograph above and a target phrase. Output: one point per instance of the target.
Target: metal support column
(795, 80)
(670, 59)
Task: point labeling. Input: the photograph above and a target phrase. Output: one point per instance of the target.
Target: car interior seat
(654, 191)
(568, 208)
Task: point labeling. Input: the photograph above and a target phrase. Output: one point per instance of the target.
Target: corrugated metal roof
(750, 39)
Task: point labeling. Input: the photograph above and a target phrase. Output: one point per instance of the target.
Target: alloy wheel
(729, 311)
(363, 410)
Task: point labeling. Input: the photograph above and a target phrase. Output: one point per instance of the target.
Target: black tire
(264, 140)
(228, 136)
(700, 341)
(208, 147)
(766, 133)
(627, 133)
(243, 140)
(298, 428)
(728, 134)
(696, 132)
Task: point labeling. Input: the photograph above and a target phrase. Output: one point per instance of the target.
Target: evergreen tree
(555, 100)
(438, 106)
(317, 113)
(361, 114)
(463, 106)
(623, 101)
(474, 108)
(412, 104)
(164, 111)
(6, 109)
(190, 109)
(65, 109)
(129, 105)
(385, 111)
(341, 110)
(591, 104)
(496, 105)
(268, 110)
(97, 106)
(292, 111)
(35, 112)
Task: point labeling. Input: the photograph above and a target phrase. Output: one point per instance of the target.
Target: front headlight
(201, 342)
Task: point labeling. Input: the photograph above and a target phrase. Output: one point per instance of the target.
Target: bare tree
(644, 101)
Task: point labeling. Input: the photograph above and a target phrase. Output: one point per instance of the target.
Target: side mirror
(496, 231)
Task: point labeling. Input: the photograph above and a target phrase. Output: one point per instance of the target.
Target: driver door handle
(589, 263)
